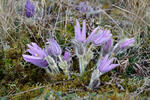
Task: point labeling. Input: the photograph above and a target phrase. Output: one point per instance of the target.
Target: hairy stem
(95, 79)
(47, 70)
(52, 65)
(81, 63)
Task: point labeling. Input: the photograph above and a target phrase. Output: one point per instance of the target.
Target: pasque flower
(83, 7)
(101, 37)
(123, 45)
(37, 56)
(126, 43)
(29, 9)
(81, 43)
(80, 35)
(54, 49)
(106, 65)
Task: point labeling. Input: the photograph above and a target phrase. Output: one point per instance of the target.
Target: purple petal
(90, 37)
(35, 60)
(77, 31)
(101, 37)
(54, 48)
(29, 46)
(31, 52)
(99, 34)
(109, 68)
(36, 50)
(109, 62)
(84, 30)
(40, 51)
(77, 34)
(36, 46)
(108, 45)
(29, 9)
(102, 64)
(127, 43)
(101, 41)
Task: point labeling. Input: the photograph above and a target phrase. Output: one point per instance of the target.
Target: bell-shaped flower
(80, 35)
(54, 49)
(106, 65)
(67, 56)
(101, 37)
(37, 56)
(126, 43)
(29, 9)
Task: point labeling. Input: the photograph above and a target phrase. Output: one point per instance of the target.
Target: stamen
(36, 55)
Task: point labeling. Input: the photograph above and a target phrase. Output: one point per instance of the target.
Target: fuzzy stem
(56, 69)
(60, 58)
(49, 64)
(52, 65)
(95, 80)
(81, 63)
(68, 66)
(47, 70)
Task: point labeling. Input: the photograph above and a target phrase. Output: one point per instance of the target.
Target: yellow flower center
(36, 55)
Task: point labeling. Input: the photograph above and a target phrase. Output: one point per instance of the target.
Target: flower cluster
(50, 57)
(98, 37)
(29, 9)
(46, 58)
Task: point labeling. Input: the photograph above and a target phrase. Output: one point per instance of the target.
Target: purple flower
(126, 43)
(108, 45)
(67, 56)
(80, 35)
(54, 48)
(29, 9)
(101, 37)
(37, 56)
(83, 7)
(105, 64)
